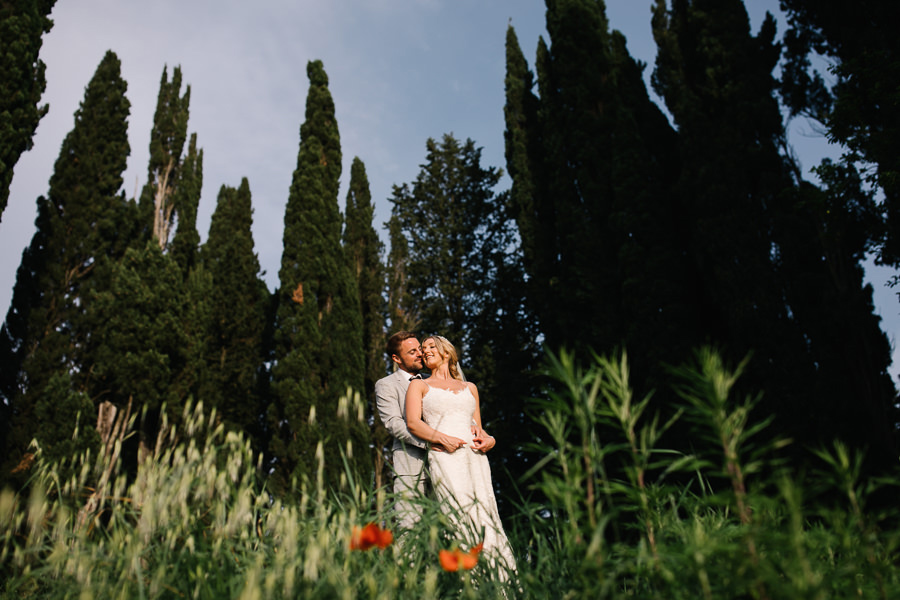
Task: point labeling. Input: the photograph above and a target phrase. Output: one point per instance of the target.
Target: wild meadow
(606, 512)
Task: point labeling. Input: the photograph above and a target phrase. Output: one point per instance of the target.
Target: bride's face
(431, 356)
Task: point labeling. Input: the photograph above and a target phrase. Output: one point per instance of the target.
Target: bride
(444, 410)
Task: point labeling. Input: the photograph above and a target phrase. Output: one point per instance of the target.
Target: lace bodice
(449, 412)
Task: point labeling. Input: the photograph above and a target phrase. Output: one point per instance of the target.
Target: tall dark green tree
(716, 79)
(80, 222)
(364, 249)
(186, 240)
(23, 24)
(592, 162)
(177, 326)
(318, 334)
(858, 111)
(530, 204)
(158, 207)
(147, 328)
(400, 302)
(578, 104)
(238, 304)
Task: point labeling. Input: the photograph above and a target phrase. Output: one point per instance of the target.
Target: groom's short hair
(394, 342)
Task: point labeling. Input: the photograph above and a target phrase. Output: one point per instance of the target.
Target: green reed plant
(761, 539)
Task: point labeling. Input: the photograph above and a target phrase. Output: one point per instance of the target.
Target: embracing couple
(436, 423)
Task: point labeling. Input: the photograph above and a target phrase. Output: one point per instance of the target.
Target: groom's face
(410, 357)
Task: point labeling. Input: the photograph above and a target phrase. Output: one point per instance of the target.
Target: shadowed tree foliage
(716, 80)
(237, 305)
(23, 24)
(859, 111)
(822, 239)
(318, 332)
(79, 223)
(756, 232)
(860, 108)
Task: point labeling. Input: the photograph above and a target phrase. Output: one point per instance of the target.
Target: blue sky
(400, 71)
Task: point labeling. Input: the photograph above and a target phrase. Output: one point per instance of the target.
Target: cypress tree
(401, 305)
(238, 307)
(592, 161)
(79, 223)
(363, 249)
(157, 203)
(176, 327)
(577, 93)
(23, 24)
(530, 205)
(716, 80)
(823, 239)
(186, 199)
(318, 333)
(592, 164)
(140, 348)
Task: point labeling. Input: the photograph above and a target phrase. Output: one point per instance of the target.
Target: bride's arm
(482, 441)
(420, 428)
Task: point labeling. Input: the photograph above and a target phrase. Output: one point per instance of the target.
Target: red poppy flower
(456, 559)
(370, 535)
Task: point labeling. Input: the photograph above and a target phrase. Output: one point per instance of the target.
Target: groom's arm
(387, 402)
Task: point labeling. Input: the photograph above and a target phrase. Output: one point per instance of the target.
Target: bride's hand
(449, 443)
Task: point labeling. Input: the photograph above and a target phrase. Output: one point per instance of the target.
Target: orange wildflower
(456, 559)
(370, 535)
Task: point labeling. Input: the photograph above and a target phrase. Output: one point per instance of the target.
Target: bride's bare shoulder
(417, 385)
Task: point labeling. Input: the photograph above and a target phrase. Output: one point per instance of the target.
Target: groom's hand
(481, 441)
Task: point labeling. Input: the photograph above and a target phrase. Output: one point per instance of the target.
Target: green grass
(621, 517)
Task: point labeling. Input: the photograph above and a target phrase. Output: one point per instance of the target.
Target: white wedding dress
(462, 479)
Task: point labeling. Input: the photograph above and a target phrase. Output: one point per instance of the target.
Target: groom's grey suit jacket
(390, 400)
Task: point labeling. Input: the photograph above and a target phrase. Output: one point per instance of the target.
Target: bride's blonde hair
(448, 350)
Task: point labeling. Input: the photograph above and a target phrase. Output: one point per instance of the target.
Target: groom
(408, 451)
